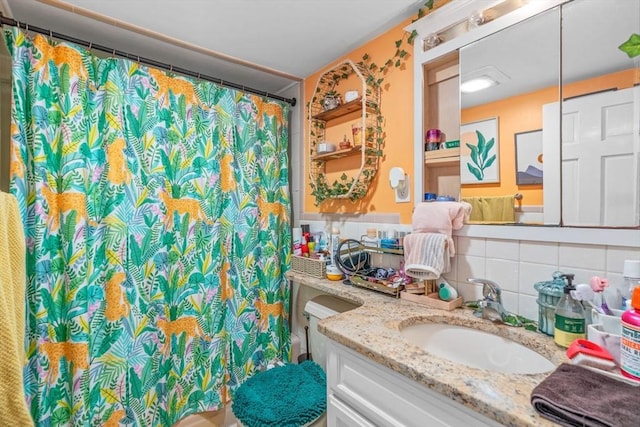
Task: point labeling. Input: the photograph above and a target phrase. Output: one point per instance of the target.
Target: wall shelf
(338, 154)
(364, 109)
(340, 110)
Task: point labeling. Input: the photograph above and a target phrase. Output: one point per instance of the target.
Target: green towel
(286, 396)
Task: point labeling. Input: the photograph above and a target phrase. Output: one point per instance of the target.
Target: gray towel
(575, 396)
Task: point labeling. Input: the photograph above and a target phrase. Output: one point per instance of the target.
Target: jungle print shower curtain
(156, 212)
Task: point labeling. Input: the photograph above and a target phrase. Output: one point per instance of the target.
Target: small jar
(433, 138)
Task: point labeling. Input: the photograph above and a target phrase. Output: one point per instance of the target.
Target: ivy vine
(321, 189)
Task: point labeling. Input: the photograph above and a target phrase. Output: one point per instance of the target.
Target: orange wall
(524, 113)
(397, 108)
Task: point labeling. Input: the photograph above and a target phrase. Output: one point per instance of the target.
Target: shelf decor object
(479, 163)
(529, 169)
(365, 109)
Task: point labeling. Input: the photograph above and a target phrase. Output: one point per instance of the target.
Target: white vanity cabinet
(363, 393)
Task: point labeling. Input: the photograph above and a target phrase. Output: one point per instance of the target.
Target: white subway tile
(530, 274)
(503, 249)
(616, 255)
(471, 246)
(510, 301)
(539, 253)
(582, 256)
(528, 307)
(470, 266)
(469, 291)
(503, 272)
(453, 274)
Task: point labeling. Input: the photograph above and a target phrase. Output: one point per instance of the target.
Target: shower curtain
(156, 212)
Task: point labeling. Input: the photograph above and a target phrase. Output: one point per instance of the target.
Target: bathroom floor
(221, 418)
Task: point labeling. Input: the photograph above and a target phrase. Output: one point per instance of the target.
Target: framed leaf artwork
(479, 154)
(529, 157)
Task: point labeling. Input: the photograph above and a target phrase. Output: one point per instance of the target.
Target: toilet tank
(319, 308)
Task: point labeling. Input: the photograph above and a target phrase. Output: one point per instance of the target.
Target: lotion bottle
(570, 321)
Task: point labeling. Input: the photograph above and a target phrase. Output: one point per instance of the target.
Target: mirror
(600, 147)
(587, 173)
(523, 65)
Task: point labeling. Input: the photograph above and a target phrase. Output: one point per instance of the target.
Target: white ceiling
(291, 39)
(528, 54)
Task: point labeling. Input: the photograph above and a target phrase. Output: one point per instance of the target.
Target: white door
(600, 159)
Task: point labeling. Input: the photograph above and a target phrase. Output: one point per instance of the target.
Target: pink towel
(441, 217)
(426, 256)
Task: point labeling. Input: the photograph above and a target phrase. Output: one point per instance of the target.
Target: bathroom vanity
(360, 390)
(375, 376)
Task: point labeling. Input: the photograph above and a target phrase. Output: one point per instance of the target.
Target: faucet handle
(490, 290)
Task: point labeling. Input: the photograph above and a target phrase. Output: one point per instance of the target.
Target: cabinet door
(390, 399)
(341, 415)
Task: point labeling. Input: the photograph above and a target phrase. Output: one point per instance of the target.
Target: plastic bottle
(370, 239)
(297, 241)
(569, 317)
(390, 241)
(630, 339)
(446, 292)
(335, 241)
(304, 247)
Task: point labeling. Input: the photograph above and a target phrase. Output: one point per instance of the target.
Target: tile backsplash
(516, 265)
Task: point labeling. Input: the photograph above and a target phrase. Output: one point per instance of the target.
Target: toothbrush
(598, 284)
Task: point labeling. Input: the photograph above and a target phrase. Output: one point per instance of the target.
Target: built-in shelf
(447, 155)
(338, 154)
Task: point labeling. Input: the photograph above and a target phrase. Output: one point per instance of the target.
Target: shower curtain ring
(90, 45)
(50, 36)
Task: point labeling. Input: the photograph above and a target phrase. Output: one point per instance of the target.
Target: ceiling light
(476, 84)
(482, 78)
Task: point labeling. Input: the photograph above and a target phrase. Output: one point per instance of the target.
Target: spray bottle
(569, 316)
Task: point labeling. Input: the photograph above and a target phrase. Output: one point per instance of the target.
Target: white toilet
(316, 309)
(319, 308)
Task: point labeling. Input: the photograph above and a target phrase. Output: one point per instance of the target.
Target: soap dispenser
(569, 316)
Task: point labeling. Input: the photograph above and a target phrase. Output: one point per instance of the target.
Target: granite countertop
(372, 330)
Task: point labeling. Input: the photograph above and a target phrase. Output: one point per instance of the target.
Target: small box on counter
(432, 301)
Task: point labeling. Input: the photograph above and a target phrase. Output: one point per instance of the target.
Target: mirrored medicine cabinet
(562, 108)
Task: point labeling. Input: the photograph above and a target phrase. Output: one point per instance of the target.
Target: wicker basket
(311, 266)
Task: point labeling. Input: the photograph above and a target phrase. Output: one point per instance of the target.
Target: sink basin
(476, 349)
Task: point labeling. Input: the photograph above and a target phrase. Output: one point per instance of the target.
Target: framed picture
(479, 162)
(528, 157)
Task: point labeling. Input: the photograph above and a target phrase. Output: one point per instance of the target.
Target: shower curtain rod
(12, 22)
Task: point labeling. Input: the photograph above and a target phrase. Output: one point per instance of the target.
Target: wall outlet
(403, 195)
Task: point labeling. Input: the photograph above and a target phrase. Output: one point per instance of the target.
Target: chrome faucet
(490, 307)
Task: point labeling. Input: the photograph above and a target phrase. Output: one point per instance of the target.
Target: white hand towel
(426, 255)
